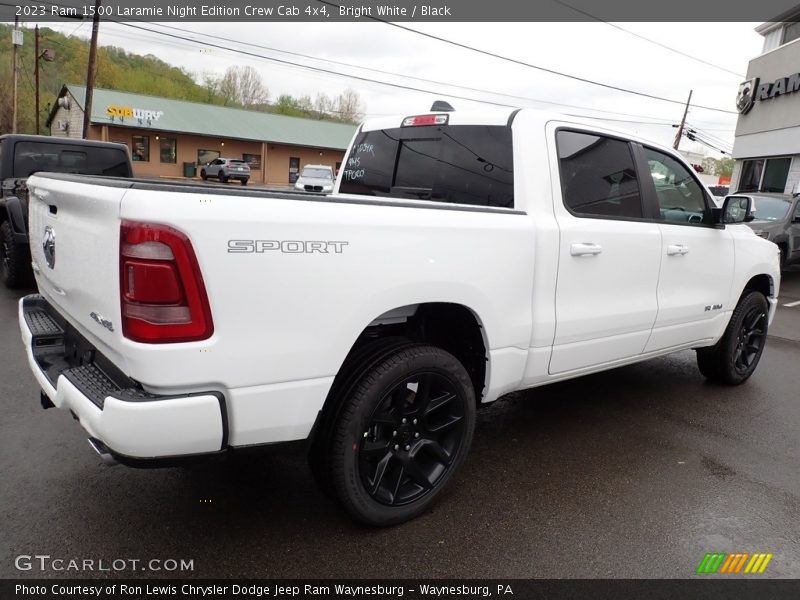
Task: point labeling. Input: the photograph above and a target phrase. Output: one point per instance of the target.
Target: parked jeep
(23, 155)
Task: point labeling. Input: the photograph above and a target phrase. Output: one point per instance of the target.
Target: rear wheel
(401, 435)
(735, 357)
(222, 177)
(15, 259)
(244, 181)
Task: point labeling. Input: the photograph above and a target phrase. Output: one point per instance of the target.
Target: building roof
(180, 116)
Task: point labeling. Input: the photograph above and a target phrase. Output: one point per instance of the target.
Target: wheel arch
(452, 326)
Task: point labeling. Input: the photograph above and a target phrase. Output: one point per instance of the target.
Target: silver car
(777, 219)
(315, 178)
(225, 169)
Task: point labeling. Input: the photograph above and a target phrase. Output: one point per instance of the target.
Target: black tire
(15, 259)
(244, 181)
(401, 435)
(203, 175)
(361, 360)
(735, 357)
(222, 177)
(782, 256)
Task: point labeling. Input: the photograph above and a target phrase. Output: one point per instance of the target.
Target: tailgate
(74, 239)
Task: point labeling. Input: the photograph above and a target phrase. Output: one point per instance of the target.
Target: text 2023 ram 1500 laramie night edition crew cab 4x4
(461, 257)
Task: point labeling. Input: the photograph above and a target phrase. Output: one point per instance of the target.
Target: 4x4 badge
(49, 246)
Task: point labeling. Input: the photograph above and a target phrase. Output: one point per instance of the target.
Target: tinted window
(462, 164)
(681, 199)
(597, 176)
(775, 175)
(30, 157)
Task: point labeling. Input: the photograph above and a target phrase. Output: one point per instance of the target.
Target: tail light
(161, 288)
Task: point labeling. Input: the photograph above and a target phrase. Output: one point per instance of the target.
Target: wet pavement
(635, 472)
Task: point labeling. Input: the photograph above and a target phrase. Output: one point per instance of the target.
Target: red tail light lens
(163, 296)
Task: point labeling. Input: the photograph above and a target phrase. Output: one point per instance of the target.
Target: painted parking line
(792, 304)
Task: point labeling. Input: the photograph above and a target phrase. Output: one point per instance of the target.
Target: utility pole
(87, 115)
(683, 122)
(17, 42)
(36, 74)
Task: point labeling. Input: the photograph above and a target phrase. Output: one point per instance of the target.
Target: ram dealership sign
(751, 91)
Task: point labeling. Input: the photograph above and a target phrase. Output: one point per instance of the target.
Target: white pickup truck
(462, 256)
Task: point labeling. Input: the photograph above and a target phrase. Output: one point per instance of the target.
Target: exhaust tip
(102, 451)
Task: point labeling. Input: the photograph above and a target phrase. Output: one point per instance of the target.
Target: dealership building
(767, 143)
(168, 137)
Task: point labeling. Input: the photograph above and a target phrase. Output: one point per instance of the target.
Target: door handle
(585, 249)
(677, 249)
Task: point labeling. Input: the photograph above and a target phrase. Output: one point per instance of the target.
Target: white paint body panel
(284, 322)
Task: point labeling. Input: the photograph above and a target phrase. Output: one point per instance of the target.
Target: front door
(294, 169)
(696, 258)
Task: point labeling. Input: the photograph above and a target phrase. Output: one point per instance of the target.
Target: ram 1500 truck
(462, 256)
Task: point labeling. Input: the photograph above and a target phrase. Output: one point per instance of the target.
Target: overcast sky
(595, 51)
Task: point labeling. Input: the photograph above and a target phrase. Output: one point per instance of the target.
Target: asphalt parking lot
(636, 472)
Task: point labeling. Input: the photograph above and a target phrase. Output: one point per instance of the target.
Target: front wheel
(735, 357)
(401, 435)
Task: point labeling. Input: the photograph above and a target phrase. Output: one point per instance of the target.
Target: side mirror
(737, 209)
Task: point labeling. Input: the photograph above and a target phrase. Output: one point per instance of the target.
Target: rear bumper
(133, 425)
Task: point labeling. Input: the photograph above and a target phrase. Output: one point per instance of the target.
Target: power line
(532, 66)
(646, 39)
(453, 85)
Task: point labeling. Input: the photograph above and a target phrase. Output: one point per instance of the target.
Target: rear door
(609, 253)
(697, 259)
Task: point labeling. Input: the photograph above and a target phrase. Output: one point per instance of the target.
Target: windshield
(317, 173)
(771, 209)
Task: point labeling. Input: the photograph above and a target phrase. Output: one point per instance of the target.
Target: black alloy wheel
(400, 427)
(734, 358)
(750, 343)
(412, 438)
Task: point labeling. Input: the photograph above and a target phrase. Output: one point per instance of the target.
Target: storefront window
(764, 175)
(140, 148)
(775, 175)
(254, 160)
(169, 150)
(206, 156)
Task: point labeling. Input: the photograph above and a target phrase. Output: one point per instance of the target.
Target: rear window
(30, 157)
(459, 164)
(238, 163)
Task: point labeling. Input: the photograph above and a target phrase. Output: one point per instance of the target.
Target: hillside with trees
(117, 69)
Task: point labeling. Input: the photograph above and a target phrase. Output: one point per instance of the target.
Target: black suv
(23, 155)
